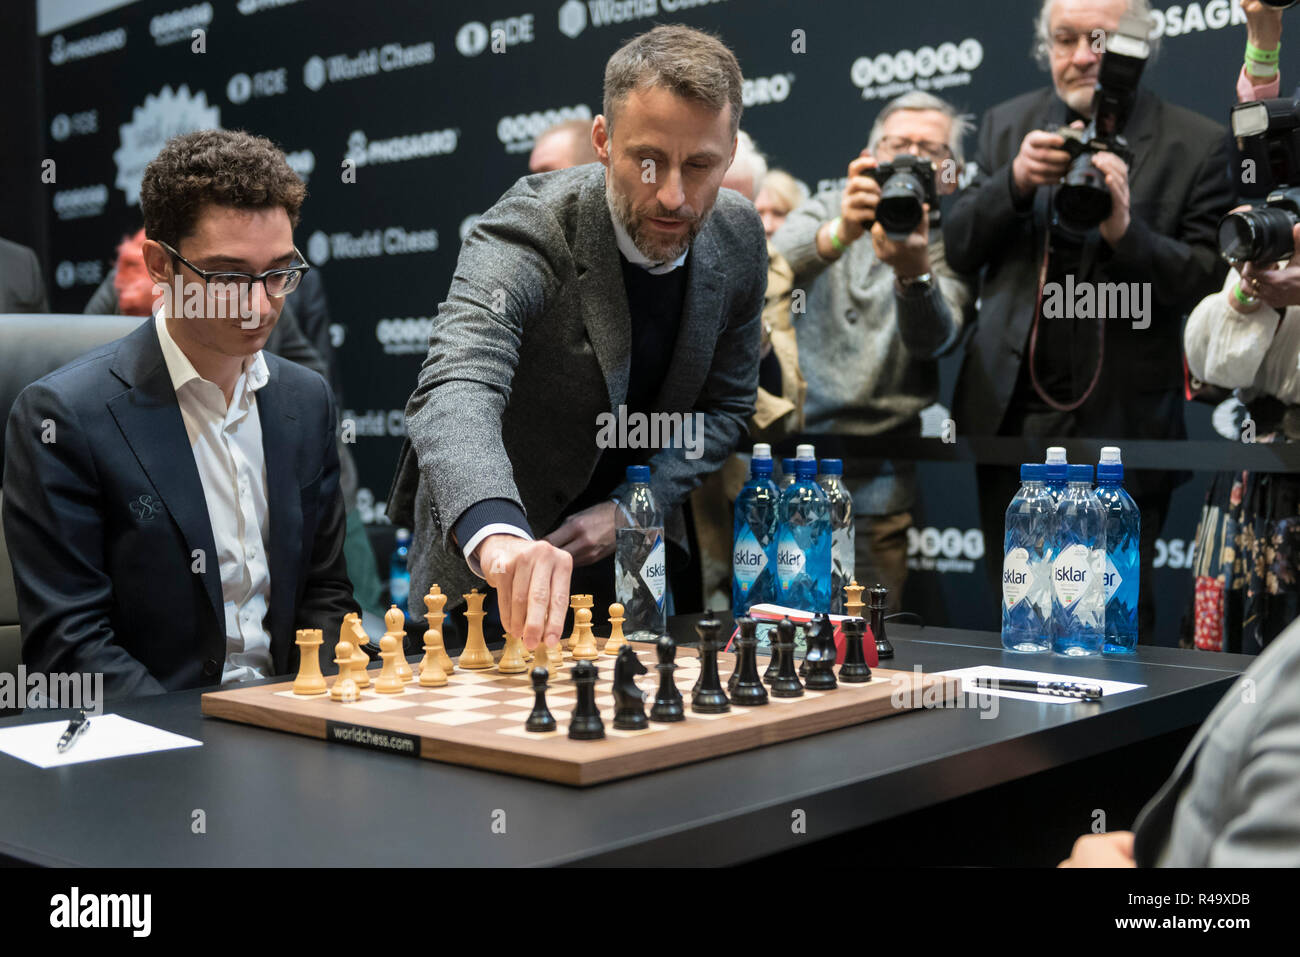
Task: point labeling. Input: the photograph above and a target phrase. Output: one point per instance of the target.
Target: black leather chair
(31, 346)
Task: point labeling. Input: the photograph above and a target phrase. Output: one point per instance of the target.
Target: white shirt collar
(638, 258)
(182, 371)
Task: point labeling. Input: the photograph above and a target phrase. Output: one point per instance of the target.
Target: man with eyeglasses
(1044, 373)
(879, 312)
(171, 500)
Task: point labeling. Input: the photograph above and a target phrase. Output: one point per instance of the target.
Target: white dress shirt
(634, 256)
(227, 447)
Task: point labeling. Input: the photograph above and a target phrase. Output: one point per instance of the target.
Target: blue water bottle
(399, 575)
(803, 555)
(1123, 560)
(1026, 570)
(753, 555)
(1078, 564)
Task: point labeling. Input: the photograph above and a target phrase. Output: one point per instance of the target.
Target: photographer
(1120, 377)
(879, 311)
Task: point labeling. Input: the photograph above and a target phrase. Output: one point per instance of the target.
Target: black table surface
(273, 798)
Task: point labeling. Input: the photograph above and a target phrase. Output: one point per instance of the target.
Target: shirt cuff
(491, 516)
(1248, 92)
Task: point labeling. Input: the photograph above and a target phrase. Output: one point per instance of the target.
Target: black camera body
(905, 185)
(1268, 135)
(1082, 200)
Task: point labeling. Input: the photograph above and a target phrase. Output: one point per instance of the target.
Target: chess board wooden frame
(553, 756)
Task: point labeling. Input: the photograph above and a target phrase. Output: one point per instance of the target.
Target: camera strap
(1088, 257)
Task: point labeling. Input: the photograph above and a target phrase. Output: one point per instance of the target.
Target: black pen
(1061, 689)
(76, 727)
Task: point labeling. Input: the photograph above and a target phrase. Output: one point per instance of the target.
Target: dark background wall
(440, 126)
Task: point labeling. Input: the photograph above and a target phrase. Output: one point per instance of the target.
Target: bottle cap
(787, 466)
(805, 452)
(759, 466)
(832, 467)
(1110, 467)
(1033, 472)
(403, 536)
(1080, 473)
(638, 473)
(762, 450)
(805, 469)
(1056, 455)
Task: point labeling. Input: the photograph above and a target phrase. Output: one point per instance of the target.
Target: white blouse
(1257, 350)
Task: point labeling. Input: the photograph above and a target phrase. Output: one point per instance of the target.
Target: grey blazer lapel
(700, 326)
(601, 294)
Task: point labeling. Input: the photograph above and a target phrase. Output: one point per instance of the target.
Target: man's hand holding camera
(909, 257)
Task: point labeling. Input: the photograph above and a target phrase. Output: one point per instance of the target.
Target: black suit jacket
(105, 518)
(1179, 188)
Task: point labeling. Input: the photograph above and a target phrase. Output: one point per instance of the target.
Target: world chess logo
(145, 508)
(573, 19)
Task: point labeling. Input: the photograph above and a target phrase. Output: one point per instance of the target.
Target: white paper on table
(109, 736)
(967, 676)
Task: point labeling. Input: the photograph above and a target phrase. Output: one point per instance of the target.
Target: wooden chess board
(477, 719)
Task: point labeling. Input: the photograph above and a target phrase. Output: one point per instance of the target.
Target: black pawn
(855, 669)
(585, 724)
(708, 697)
(774, 656)
(883, 648)
(668, 701)
(748, 626)
(748, 689)
(820, 656)
(786, 684)
(541, 719)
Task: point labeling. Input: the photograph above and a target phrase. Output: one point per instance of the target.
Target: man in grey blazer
(1234, 798)
(22, 287)
(632, 285)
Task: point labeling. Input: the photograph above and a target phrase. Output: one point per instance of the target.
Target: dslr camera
(1268, 133)
(1082, 200)
(905, 184)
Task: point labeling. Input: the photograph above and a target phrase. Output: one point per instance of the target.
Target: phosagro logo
(75, 909)
(178, 25)
(82, 202)
(944, 550)
(393, 241)
(243, 87)
(61, 51)
(1195, 18)
(766, 89)
(473, 38)
(396, 149)
(340, 67)
(155, 122)
(1174, 553)
(404, 337)
(926, 68)
(517, 133)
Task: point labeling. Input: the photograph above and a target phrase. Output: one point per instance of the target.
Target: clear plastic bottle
(1055, 474)
(1078, 566)
(1123, 560)
(399, 574)
(1026, 569)
(803, 557)
(640, 572)
(832, 482)
(786, 478)
(753, 555)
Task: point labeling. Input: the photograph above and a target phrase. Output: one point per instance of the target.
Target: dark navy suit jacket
(113, 554)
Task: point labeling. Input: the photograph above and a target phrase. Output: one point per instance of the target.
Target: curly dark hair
(225, 167)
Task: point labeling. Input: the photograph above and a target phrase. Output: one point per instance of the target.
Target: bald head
(563, 145)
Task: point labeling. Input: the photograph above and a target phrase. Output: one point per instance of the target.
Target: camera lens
(900, 210)
(1257, 235)
(1083, 199)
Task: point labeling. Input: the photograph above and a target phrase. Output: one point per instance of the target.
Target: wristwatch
(922, 282)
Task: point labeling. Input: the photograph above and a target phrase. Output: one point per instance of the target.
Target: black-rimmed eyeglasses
(277, 282)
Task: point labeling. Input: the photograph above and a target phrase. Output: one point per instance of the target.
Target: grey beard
(622, 208)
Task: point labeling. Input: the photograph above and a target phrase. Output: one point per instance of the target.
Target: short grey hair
(1043, 30)
(690, 63)
(962, 123)
(749, 159)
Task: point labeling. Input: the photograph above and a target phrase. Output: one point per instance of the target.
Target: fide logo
(472, 38)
